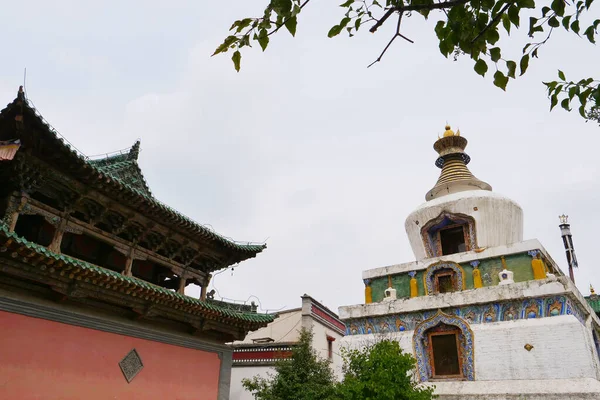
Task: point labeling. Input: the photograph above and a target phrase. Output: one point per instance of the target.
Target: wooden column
(182, 280)
(58, 236)
(204, 287)
(17, 204)
(129, 262)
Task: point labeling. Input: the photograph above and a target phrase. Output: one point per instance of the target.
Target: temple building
(485, 313)
(93, 270)
(260, 350)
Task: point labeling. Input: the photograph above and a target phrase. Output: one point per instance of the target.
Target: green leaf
(561, 75)
(357, 23)
(223, 47)
(236, 58)
(582, 111)
(263, 39)
(506, 23)
(512, 67)
(575, 26)
(334, 31)
(492, 35)
(553, 101)
(282, 7)
(573, 90)
(524, 64)
(565, 21)
(439, 29)
(291, 24)
(565, 104)
(526, 3)
(545, 10)
(589, 32)
(495, 54)
(513, 15)
(347, 4)
(558, 6)
(553, 22)
(344, 22)
(500, 80)
(481, 67)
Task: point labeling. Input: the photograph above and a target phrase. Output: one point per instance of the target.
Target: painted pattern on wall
(519, 264)
(473, 314)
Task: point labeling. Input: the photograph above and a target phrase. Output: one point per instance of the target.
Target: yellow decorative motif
(592, 291)
(449, 131)
(414, 291)
(539, 269)
(368, 294)
(477, 282)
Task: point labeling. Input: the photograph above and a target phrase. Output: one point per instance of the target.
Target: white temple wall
(237, 391)
(320, 333)
(561, 349)
(285, 328)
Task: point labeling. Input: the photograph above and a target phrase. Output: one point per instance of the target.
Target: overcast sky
(305, 148)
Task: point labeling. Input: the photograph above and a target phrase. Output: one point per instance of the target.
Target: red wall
(41, 359)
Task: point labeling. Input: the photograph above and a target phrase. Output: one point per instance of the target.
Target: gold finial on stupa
(592, 291)
(449, 131)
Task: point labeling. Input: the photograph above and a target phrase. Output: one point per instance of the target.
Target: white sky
(305, 147)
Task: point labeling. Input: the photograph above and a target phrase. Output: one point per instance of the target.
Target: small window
(445, 358)
(330, 341)
(453, 240)
(444, 281)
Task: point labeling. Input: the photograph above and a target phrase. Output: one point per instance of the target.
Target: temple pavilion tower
(483, 311)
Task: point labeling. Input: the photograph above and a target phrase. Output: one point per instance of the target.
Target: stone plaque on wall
(131, 365)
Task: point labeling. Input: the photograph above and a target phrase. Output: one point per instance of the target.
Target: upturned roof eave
(82, 163)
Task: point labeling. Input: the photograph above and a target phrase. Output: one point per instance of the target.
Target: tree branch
(416, 7)
(284, 21)
(493, 22)
(397, 34)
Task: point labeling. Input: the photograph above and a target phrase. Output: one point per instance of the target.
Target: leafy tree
(380, 372)
(466, 28)
(304, 376)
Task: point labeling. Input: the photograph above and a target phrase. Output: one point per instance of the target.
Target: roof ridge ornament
(134, 151)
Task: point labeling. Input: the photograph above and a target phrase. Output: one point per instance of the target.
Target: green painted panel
(468, 276)
(519, 264)
(378, 285)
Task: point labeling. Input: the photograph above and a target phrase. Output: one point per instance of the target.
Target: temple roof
(123, 167)
(118, 177)
(48, 262)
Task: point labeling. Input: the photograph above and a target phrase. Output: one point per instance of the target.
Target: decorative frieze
(474, 314)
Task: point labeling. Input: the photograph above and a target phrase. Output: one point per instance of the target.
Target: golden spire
(455, 176)
(592, 291)
(449, 131)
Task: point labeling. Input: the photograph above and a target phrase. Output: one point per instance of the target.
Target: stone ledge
(489, 294)
(563, 389)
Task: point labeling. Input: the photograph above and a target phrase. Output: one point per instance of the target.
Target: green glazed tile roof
(154, 290)
(130, 188)
(124, 168)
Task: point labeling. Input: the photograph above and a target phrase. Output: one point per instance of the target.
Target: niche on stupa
(449, 233)
(444, 349)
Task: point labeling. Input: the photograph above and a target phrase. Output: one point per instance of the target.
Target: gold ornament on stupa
(452, 160)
